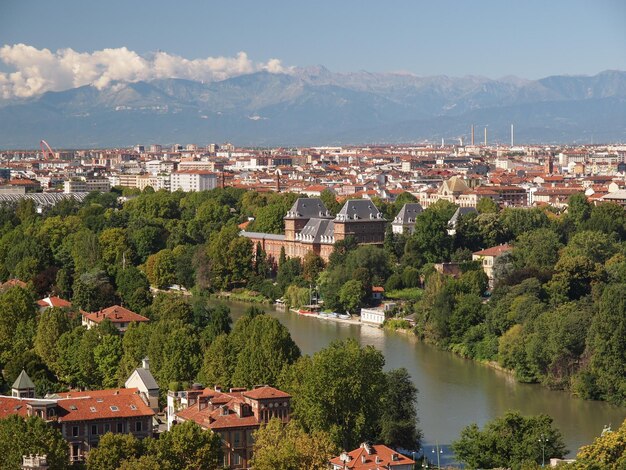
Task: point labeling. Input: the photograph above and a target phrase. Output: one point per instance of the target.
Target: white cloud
(39, 70)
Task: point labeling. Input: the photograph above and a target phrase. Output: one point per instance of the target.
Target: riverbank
(454, 392)
(243, 296)
(346, 321)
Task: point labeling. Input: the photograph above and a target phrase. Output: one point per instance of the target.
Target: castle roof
(359, 210)
(408, 213)
(308, 207)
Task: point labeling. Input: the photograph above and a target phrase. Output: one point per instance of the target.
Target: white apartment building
(193, 180)
(85, 185)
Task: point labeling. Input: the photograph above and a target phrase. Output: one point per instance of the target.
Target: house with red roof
(82, 417)
(372, 457)
(488, 258)
(120, 317)
(234, 415)
(53, 301)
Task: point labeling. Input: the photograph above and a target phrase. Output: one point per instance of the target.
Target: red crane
(49, 154)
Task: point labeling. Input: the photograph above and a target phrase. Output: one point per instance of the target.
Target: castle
(310, 227)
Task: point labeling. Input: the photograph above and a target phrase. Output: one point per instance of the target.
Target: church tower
(23, 387)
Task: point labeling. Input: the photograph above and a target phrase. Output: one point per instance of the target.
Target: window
(114, 408)
(94, 429)
(237, 439)
(120, 427)
(138, 426)
(107, 427)
(74, 431)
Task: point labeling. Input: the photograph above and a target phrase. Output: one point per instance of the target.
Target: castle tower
(301, 212)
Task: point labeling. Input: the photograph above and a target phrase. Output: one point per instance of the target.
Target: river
(455, 392)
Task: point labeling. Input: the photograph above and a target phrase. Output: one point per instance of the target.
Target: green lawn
(411, 293)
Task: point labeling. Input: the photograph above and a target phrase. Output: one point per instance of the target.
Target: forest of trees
(555, 315)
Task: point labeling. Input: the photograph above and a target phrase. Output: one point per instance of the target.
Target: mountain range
(314, 106)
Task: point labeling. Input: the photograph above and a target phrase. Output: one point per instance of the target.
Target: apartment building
(193, 180)
(233, 415)
(82, 417)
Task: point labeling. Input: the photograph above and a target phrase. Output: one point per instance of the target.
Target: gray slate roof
(307, 208)
(408, 213)
(359, 210)
(147, 378)
(23, 381)
(460, 212)
(318, 230)
(264, 236)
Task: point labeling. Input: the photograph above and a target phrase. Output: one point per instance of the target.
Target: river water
(454, 392)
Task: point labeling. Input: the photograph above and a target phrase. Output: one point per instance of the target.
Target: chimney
(145, 363)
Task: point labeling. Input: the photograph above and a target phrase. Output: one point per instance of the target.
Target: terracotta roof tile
(116, 314)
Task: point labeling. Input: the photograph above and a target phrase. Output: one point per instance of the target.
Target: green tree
(537, 249)
(297, 297)
(511, 441)
(24, 436)
(17, 308)
(487, 206)
(578, 209)
(219, 362)
(573, 278)
(161, 269)
(115, 249)
(351, 296)
(174, 352)
(267, 348)
(596, 246)
(338, 391)
(607, 337)
(133, 288)
(398, 421)
(188, 447)
(312, 265)
(430, 242)
(93, 291)
(519, 220)
(607, 452)
(288, 447)
(112, 450)
(107, 355)
(53, 322)
(608, 218)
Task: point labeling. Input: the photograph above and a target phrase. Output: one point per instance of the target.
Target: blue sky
(530, 39)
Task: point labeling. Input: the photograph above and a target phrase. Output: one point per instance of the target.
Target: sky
(205, 39)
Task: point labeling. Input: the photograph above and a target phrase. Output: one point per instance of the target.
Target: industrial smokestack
(512, 136)
(485, 136)
(472, 135)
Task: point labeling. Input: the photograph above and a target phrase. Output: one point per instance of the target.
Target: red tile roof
(103, 406)
(380, 457)
(12, 406)
(265, 392)
(53, 301)
(13, 283)
(494, 250)
(116, 314)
